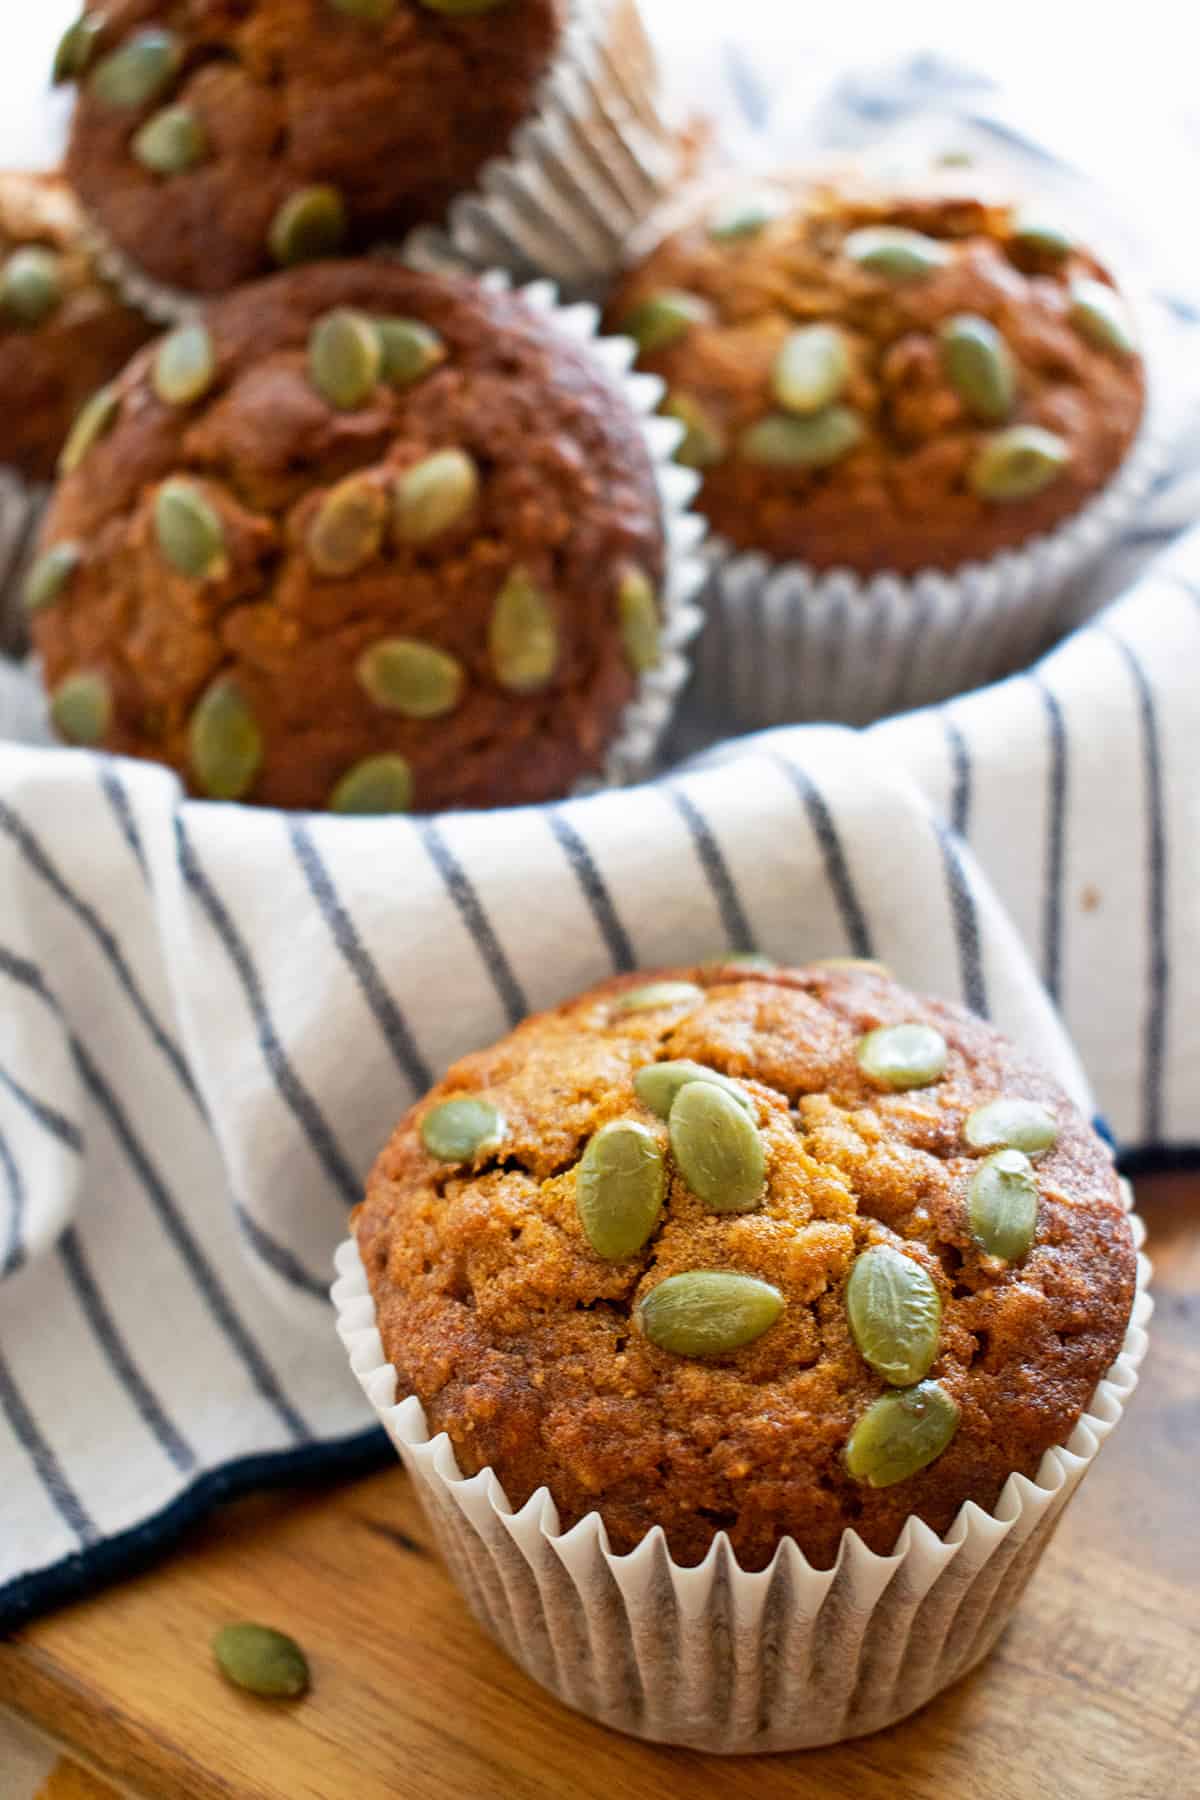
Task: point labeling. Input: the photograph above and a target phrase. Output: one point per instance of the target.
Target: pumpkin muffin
(774, 1252)
(360, 538)
(885, 381)
(213, 142)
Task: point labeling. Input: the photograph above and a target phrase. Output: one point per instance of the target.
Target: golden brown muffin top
(884, 380)
(532, 1352)
(359, 515)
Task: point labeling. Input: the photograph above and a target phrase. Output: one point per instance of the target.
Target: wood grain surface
(1093, 1693)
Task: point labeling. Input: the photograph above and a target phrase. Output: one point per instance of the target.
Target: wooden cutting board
(1093, 1693)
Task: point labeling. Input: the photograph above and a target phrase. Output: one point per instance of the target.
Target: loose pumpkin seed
(460, 1129)
(903, 1056)
(664, 319)
(81, 707)
(310, 223)
(718, 1148)
(1018, 463)
(225, 744)
(170, 143)
(637, 606)
(408, 676)
(1032, 233)
(785, 441)
(1014, 1124)
(262, 1661)
(185, 365)
(139, 71)
(50, 574)
(619, 1188)
(523, 635)
(811, 369)
(704, 443)
(978, 366)
(189, 532)
(410, 350)
(1002, 1205)
(1099, 314)
(378, 784)
(657, 1085)
(435, 495)
(895, 1314)
(31, 284)
(708, 1312)
(743, 216)
(895, 251)
(345, 358)
(901, 1433)
(76, 48)
(93, 421)
(659, 994)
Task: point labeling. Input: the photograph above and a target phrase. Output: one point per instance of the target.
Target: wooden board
(1093, 1694)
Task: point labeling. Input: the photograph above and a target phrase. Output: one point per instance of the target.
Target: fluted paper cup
(714, 1657)
(22, 504)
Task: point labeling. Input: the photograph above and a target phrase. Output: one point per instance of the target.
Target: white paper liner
(22, 504)
(712, 1657)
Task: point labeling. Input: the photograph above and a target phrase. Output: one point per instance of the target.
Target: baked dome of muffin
(905, 1307)
(212, 143)
(884, 381)
(362, 538)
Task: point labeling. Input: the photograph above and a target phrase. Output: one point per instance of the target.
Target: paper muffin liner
(712, 1657)
(22, 504)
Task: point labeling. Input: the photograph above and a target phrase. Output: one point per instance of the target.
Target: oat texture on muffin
(359, 538)
(885, 381)
(774, 1252)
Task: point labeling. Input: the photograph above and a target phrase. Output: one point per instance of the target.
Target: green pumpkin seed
(347, 528)
(657, 1085)
(785, 441)
(1012, 1125)
(95, 419)
(262, 1661)
(1038, 235)
(378, 784)
(458, 1130)
(895, 1314)
(978, 366)
(619, 1188)
(1002, 1205)
(708, 1312)
(901, 1433)
(743, 216)
(460, 8)
(189, 532)
(704, 443)
(225, 745)
(659, 994)
(894, 251)
(170, 143)
(410, 350)
(345, 358)
(903, 1056)
(407, 676)
(139, 71)
(185, 365)
(76, 48)
(31, 284)
(811, 369)
(1099, 314)
(81, 707)
(48, 578)
(310, 224)
(718, 1148)
(523, 635)
(371, 12)
(435, 495)
(637, 605)
(1018, 463)
(664, 319)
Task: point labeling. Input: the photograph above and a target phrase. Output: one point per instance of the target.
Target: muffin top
(62, 330)
(884, 381)
(362, 538)
(213, 142)
(829, 1290)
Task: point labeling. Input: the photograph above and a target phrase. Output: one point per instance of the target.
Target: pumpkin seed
(262, 1661)
(372, 12)
(170, 143)
(704, 443)
(459, 1129)
(224, 742)
(81, 707)
(345, 358)
(895, 1314)
(189, 532)
(718, 1148)
(139, 71)
(901, 1433)
(434, 495)
(658, 1084)
(523, 635)
(1018, 463)
(347, 528)
(1014, 1124)
(31, 284)
(1002, 1205)
(978, 367)
(410, 350)
(785, 441)
(1099, 314)
(659, 994)
(185, 365)
(94, 420)
(310, 223)
(811, 369)
(903, 1056)
(892, 250)
(708, 1312)
(407, 676)
(637, 605)
(48, 578)
(663, 319)
(743, 216)
(1032, 233)
(619, 1188)
(378, 784)
(76, 48)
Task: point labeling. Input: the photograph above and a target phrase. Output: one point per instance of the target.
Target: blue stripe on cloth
(207, 1282)
(966, 922)
(295, 1096)
(960, 769)
(716, 870)
(116, 1351)
(49, 1471)
(14, 1247)
(387, 1014)
(595, 891)
(56, 1123)
(470, 910)
(115, 793)
(837, 869)
(1056, 813)
(34, 854)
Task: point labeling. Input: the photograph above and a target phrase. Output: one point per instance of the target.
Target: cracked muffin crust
(202, 124)
(531, 1350)
(884, 381)
(389, 541)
